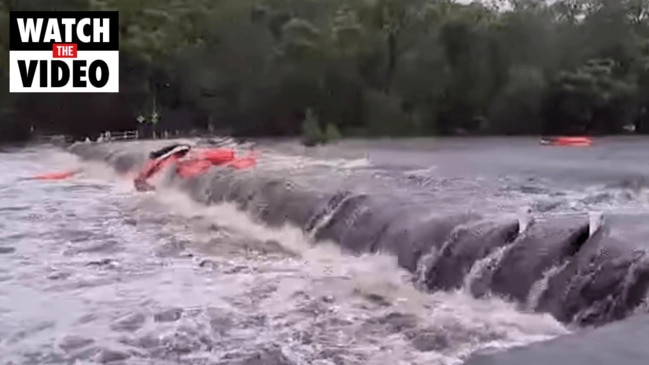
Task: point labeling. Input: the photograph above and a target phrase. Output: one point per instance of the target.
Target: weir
(553, 265)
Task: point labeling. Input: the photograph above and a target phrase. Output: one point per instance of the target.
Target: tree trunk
(392, 60)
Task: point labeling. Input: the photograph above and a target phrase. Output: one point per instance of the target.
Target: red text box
(64, 50)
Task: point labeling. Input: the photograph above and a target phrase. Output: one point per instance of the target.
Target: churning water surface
(93, 272)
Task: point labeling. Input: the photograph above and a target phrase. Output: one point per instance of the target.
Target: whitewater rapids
(96, 273)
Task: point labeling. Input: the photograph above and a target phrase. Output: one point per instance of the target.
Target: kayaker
(157, 160)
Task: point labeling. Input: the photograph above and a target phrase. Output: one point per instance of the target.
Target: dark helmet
(179, 150)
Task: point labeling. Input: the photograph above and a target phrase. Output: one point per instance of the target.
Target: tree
(365, 67)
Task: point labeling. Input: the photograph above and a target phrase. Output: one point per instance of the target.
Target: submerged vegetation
(360, 67)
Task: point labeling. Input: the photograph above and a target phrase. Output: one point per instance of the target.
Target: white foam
(343, 302)
(326, 271)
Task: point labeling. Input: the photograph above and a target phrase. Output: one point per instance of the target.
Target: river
(96, 273)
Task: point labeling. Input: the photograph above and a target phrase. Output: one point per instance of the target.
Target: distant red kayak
(579, 141)
(56, 175)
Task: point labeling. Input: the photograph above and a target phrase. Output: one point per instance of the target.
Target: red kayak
(193, 168)
(191, 164)
(56, 175)
(216, 156)
(245, 162)
(198, 166)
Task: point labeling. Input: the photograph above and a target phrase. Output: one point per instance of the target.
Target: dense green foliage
(364, 67)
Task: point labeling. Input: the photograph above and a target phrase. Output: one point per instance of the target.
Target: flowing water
(93, 272)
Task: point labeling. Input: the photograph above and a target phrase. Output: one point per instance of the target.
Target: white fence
(132, 135)
(106, 137)
(119, 136)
